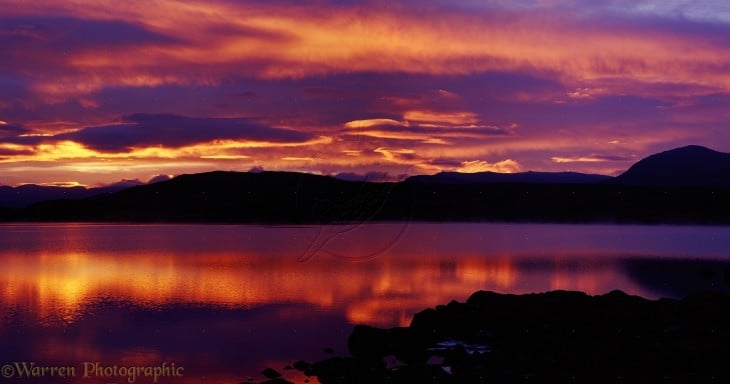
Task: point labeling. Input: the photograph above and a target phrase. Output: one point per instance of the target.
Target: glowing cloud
(591, 159)
(474, 166)
(452, 118)
(225, 157)
(67, 184)
(367, 123)
(356, 86)
(293, 41)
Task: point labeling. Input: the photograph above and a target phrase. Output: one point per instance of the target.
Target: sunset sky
(92, 92)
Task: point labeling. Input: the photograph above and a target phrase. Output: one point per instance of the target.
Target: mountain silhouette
(687, 185)
(522, 177)
(690, 166)
(226, 197)
(29, 194)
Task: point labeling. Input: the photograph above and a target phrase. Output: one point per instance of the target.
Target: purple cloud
(174, 131)
(11, 130)
(71, 33)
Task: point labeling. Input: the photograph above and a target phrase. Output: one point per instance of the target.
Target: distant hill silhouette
(688, 166)
(523, 177)
(226, 197)
(28, 194)
(675, 195)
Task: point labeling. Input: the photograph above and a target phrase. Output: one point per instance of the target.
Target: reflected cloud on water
(243, 297)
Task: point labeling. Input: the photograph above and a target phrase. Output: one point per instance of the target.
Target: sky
(93, 92)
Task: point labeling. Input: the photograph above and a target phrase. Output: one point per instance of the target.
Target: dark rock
(270, 373)
(277, 380)
(329, 350)
(301, 365)
(549, 337)
(420, 374)
(367, 342)
(342, 370)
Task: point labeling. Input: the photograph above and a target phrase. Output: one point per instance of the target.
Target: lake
(223, 302)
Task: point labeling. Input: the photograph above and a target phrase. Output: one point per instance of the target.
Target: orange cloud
(423, 137)
(225, 157)
(580, 159)
(212, 150)
(220, 39)
(390, 154)
(367, 123)
(64, 184)
(595, 158)
(504, 166)
(59, 89)
(523, 61)
(352, 152)
(452, 118)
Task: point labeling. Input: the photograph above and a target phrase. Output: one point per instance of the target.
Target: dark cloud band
(172, 131)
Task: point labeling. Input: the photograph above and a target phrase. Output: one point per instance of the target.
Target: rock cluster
(554, 337)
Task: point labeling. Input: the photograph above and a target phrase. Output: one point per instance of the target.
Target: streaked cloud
(144, 130)
(451, 118)
(367, 123)
(356, 87)
(474, 166)
(206, 42)
(592, 159)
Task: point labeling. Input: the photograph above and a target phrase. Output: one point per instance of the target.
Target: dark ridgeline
(267, 197)
(685, 185)
(507, 178)
(690, 166)
(29, 194)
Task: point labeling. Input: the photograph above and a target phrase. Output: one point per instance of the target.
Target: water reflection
(228, 300)
(60, 286)
(677, 278)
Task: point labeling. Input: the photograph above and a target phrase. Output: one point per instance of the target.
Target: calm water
(224, 302)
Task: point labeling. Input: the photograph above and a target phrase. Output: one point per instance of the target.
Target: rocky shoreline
(554, 337)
